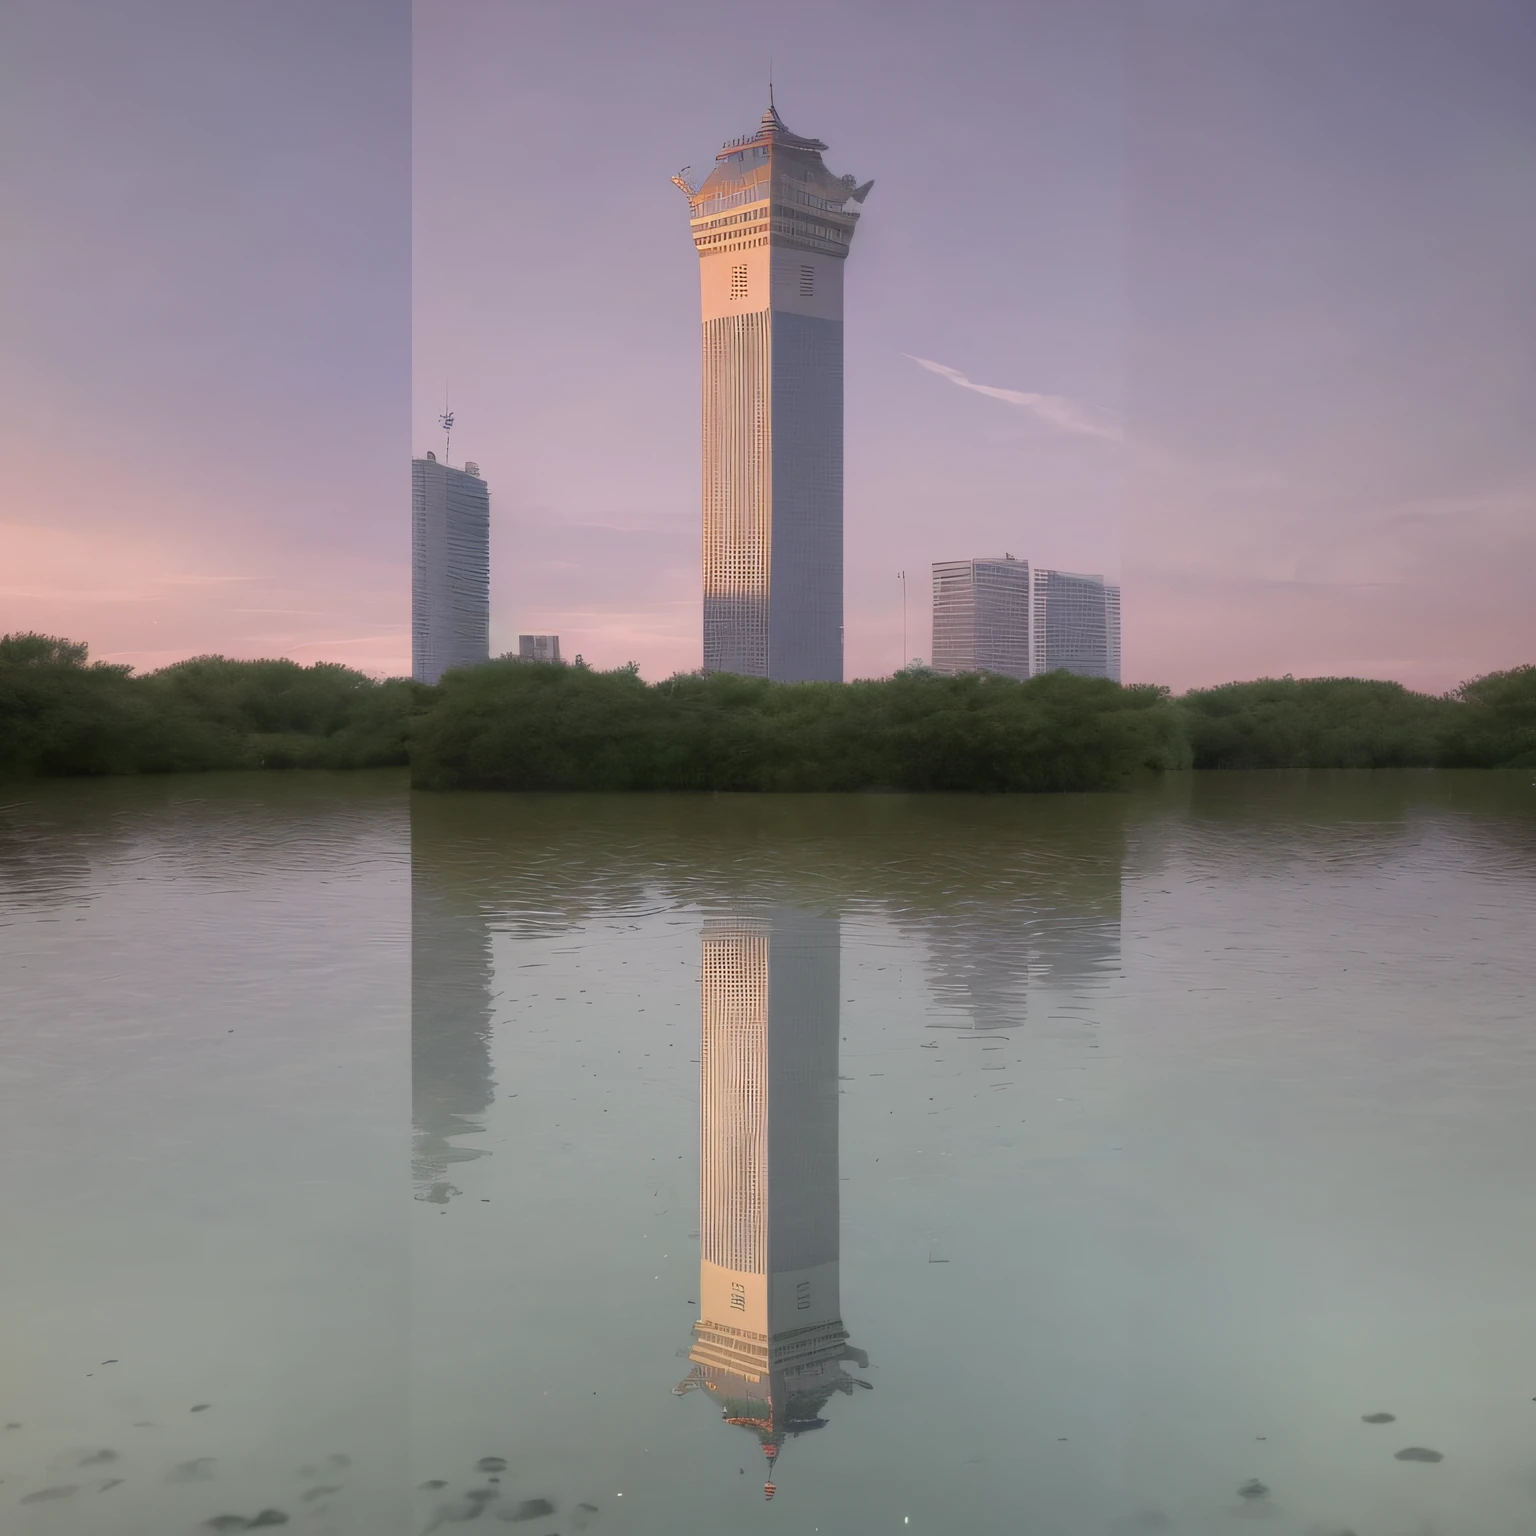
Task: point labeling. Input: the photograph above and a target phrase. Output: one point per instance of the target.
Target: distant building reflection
(1062, 934)
(770, 1345)
(451, 1083)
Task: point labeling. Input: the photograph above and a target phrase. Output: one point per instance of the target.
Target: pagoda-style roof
(788, 165)
(771, 130)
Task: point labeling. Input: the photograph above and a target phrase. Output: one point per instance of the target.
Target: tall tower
(769, 1345)
(772, 226)
(450, 568)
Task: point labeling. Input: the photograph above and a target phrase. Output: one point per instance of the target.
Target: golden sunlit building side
(772, 226)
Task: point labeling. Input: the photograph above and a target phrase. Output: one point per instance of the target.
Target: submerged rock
(1419, 1453)
(197, 1471)
(491, 1464)
(320, 1493)
(268, 1517)
(96, 1458)
(531, 1509)
(434, 1483)
(1379, 1418)
(470, 1507)
(1253, 1489)
(62, 1492)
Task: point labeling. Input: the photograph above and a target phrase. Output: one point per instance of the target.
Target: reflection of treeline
(511, 726)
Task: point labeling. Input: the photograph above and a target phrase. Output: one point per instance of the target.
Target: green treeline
(61, 715)
(512, 725)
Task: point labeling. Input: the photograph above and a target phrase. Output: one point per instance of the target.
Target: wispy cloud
(1057, 411)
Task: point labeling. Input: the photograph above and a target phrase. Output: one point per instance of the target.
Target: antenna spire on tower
(445, 421)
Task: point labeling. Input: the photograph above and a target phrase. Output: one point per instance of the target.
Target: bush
(60, 715)
(1498, 725)
(512, 725)
(506, 726)
(1328, 722)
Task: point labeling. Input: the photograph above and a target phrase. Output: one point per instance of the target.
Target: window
(738, 282)
(738, 1297)
(807, 282)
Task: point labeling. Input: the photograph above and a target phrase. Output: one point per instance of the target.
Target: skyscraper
(999, 616)
(450, 568)
(1075, 625)
(772, 226)
(981, 616)
(769, 1344)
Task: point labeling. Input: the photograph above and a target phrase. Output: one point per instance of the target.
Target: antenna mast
(446, 422)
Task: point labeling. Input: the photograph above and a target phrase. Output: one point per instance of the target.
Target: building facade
(450, 568)
(981, 616)
(1075, 625)
(772, 227)
(538, 648)
(1002, 616)
(769, 1345)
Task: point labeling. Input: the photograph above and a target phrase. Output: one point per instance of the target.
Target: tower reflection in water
(770, 1346)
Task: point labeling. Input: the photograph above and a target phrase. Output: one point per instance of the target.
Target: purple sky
(1247, 289)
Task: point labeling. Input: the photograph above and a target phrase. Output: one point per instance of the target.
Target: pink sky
(1233, 306)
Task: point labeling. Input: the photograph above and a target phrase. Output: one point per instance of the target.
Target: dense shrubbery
(1348, 722)
(509, 725)
(60, 715)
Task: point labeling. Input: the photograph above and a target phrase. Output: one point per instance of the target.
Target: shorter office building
(981, 616)
(1075, 625)
(538, 648)
(998, 615)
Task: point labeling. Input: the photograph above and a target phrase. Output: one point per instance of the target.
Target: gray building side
(805, 567)
(1002, 616)
(981, 617)
(450, 569)
(1076, 625)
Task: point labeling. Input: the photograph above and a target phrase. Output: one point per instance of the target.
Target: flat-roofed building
(1001, 615)
(1075, 625)
(450, 568)
(981, 616)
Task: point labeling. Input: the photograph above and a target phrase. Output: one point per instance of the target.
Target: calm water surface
(1059, 1165)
